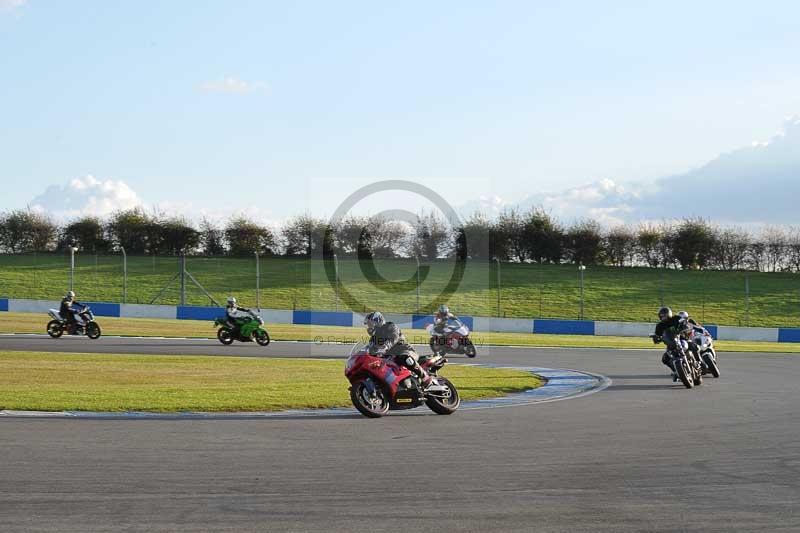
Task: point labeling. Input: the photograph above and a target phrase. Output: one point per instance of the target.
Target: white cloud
(86, 196)
(751, 186)
(11, 4)
(231, 85)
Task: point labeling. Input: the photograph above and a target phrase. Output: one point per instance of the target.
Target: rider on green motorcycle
(237, 315)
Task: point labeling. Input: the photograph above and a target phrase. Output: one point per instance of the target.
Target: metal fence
(409, 286)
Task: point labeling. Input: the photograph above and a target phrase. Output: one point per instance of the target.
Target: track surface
(642, 455)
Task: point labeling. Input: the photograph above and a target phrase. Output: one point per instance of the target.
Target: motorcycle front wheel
(262, 337)
(225, 336)
(371, 405)
(93, 330)
(469, 349)
(684, 372)
(712, 364)
(54, 329)
(442, 405)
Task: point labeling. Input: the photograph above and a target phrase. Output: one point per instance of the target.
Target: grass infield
(89, 382)
(147, 327)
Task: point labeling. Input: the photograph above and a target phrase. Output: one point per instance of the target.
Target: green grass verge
(151, 327)
(632, 294)
(89, 382)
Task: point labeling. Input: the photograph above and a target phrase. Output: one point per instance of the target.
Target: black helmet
(664, 313)
(374, 320)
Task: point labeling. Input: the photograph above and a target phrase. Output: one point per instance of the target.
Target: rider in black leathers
(669, 330)
(386, 340)
(66, 310)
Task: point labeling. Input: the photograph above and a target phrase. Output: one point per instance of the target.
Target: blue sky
(282, 107)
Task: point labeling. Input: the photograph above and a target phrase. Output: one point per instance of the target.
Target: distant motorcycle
(247, 330)
(379, 384)
(452, 337)
(708, 355)
(84, 323)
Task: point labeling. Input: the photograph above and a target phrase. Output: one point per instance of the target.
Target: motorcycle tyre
(436, 405)
(685, 377)
(55, 329)
(713, 367)
(93, 330)
(225, 336)
(366, 410)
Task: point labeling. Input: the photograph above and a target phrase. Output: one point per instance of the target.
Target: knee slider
(410, 362)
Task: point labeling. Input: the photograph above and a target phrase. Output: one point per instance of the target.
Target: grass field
(87, 382)
(525, 290)
(148, 327)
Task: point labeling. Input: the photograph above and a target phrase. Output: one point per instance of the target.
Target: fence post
(72, 251)
(747, 299)
(581, 269)
(417, 259)
(183, 278)
(258, 282)
(661, 285)
(336, 274)
(497, 263)
(124, 275)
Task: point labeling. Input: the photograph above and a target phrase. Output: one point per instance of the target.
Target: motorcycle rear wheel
(682, 367)
(55, 329)
(712, 365)
(444, 406)
(225, 336)
(93, 330)
(371, 406)
(262, 337)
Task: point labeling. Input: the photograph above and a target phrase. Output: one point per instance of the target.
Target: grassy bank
(147, 327)
(525, 290)
(87, 382)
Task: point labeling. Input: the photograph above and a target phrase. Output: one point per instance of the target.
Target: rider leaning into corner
(442, 317)
(66, 310)
(669, 330)
(236, 314)
(386, 340)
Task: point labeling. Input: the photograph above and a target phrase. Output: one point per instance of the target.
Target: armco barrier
(323, 318)
(788, 335)
(188, 312)
(506, 325)
(148, 311)
(563, 327)
(31, 306)
(103, 309)
(477, 324)
(731, 333)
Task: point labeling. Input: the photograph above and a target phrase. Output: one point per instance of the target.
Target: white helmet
(684, 315)
(374, 320)
(231, 301)
(70, 295)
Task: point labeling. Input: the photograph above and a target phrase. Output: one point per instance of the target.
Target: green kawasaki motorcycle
(247, 329)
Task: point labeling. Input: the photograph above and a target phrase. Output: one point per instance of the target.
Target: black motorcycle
(683, 362)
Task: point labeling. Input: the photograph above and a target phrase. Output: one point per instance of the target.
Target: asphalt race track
(644, 454)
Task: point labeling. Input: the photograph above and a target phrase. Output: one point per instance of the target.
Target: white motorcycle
(452, 337)
(708, 356)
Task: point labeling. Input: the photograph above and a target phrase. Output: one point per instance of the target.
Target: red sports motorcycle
(379, 384)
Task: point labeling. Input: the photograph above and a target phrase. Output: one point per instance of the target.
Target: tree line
(533, 236)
